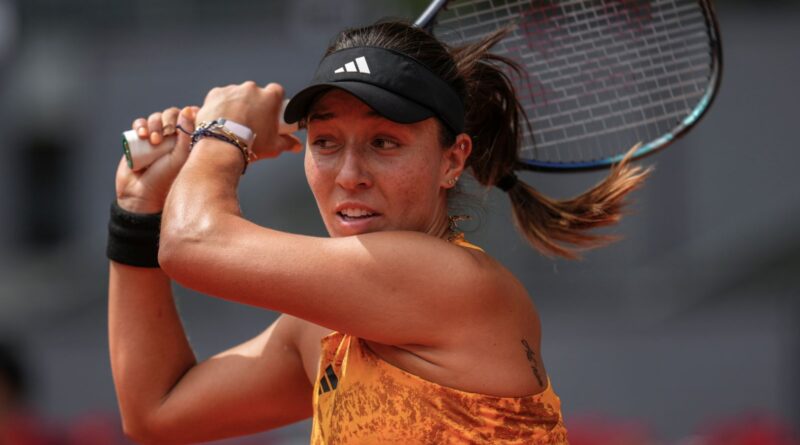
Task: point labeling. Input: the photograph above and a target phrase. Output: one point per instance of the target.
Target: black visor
(396, 86)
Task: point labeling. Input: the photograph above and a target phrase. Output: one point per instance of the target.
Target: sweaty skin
(381, 188)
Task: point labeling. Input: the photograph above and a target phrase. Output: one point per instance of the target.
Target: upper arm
(389, 287)
(257, 385)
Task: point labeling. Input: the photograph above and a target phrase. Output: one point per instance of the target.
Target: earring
(452, 181)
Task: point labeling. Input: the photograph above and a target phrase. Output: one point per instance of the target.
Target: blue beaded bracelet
(201, 133)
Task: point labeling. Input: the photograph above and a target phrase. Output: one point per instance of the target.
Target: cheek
(314, 175)
(415, 187)
(308, 166)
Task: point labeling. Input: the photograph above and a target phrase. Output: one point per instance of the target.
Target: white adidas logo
(357, 66)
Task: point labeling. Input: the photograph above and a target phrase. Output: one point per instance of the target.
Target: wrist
(229, 132)
(133, 238)
(136, 204)
(223, 155)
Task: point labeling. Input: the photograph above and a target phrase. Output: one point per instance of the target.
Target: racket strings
(602, 75)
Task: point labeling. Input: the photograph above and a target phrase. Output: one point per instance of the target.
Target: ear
(455, 159)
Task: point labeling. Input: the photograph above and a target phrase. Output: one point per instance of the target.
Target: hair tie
(507, 182)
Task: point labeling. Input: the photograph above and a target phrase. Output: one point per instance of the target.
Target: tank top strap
(458, 239)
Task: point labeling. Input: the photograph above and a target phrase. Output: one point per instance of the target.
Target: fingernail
(155, 138)
(168, 130)
(142, 132)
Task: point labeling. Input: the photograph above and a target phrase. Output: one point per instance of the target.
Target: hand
(146, 190)
(255, 107)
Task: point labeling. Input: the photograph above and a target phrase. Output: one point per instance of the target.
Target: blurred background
(685, 332)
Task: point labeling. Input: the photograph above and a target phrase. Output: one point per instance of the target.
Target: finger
(186, 121)
(298, 148)
(154, 127)
(276, 91)
(274, 103)
(140, 125)
(169, 119)
(288, 142)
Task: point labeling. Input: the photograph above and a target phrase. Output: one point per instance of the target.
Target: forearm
(205, 188)
(201, 210)
(148, 345)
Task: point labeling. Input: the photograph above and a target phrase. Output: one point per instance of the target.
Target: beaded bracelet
(210, 129)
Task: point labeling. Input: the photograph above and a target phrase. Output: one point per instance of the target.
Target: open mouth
(356, 214)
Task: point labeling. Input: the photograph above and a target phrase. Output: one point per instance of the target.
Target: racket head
(598, 77)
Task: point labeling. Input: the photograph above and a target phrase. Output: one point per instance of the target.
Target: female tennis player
(395, 329)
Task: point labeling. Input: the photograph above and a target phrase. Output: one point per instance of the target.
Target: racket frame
(427, 21)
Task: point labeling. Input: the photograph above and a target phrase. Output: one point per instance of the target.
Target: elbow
(177, 242)
(169, 250)
(134, 434)
(137, 431)
(143, 433)
(170, 247)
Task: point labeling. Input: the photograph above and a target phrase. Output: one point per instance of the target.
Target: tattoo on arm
(532, 360)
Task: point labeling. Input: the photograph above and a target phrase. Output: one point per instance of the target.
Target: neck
(440, 224)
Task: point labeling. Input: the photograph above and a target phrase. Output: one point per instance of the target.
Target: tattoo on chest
(532, 360)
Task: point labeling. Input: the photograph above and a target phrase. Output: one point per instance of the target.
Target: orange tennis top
(359, 398)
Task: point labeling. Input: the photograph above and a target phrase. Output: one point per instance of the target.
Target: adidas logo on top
(357, 66)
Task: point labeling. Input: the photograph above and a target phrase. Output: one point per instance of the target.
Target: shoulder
(483, 279)
(502, 285)
(502, 305)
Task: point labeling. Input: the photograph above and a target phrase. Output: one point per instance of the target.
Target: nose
(353, 173)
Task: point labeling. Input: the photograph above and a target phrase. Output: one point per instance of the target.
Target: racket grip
(139, 153)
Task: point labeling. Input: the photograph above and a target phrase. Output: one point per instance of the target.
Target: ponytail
(548, 224)
(495, 119)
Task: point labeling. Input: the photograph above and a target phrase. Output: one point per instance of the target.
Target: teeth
(355, 213)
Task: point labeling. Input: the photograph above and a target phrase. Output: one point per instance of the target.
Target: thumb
(289, 142)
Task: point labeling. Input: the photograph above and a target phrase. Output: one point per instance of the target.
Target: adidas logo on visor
(357, 66)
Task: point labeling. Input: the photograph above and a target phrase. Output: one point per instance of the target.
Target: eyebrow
(325, 116)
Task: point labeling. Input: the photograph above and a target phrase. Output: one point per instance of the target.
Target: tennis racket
(602, 75)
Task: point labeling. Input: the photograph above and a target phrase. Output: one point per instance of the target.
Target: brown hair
(495, 121)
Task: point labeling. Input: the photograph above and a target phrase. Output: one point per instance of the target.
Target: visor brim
(390, 105)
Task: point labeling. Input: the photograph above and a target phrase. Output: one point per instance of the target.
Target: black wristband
(133, 237)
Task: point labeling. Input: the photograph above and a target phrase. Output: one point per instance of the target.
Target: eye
(385, 143)
(323, 143)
